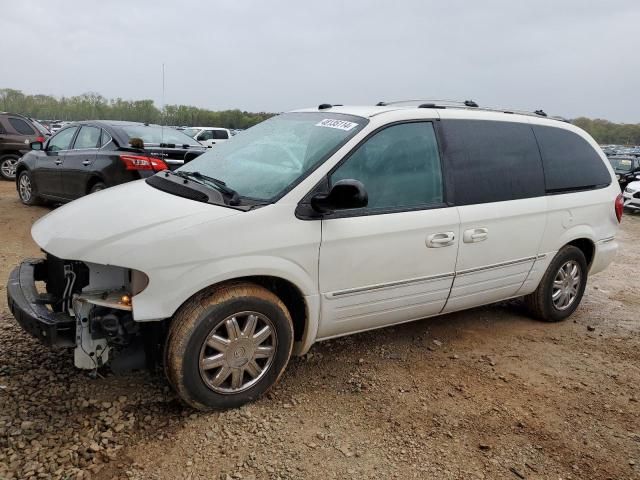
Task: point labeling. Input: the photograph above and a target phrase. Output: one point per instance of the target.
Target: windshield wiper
(234, 197)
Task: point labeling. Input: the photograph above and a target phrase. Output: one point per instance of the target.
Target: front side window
(21, 126)
(206, 135)
(88, 137)
(399, 167)
(62, 140)
(269, 158)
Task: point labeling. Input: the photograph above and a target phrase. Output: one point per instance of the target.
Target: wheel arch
(586, 246)
(93, 179)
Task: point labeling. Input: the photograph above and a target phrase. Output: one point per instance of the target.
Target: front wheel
(561, 288)
(26, 189)
(227, 346)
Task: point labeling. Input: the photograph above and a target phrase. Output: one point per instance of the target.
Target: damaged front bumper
(29, 307)
(85, 306)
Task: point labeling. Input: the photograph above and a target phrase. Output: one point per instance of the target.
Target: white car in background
(315, 224)
(631, 195)
(208, 136)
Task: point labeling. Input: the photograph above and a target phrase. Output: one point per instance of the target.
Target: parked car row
(85, 157)
(314, 224)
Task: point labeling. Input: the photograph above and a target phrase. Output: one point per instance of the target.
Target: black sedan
(85, 157)
(626, 168)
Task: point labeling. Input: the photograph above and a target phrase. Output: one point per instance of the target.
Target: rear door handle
(58, 162)
(86, 162)
(444, 239)
(475, 235)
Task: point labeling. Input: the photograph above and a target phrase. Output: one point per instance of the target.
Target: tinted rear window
(570, 162)
(155, 134)
(492, 161)
(220, 134)
(21, 126)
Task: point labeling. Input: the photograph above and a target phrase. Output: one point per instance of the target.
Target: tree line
(93, 106)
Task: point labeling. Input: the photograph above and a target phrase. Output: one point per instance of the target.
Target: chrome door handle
(86, 162)
(444, 239)
(475, 235)
(58, 162)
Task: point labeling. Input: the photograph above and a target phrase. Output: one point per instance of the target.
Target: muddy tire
(561, 288)
(227, 346)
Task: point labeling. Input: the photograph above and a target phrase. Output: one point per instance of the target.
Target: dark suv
(16, 133)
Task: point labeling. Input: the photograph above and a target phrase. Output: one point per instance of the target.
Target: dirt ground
(483, 394)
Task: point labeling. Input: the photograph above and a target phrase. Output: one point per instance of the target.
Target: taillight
(139, 162)
(619, 207)
(40, 139)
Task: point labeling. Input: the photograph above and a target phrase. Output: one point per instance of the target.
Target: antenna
(164, 110)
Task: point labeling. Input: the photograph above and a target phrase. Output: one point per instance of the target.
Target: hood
(104, 226)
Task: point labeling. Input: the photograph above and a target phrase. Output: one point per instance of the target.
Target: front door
(47, 176)
(77, 163)
(394, 260)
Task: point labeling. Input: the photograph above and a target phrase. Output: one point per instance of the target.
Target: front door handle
(58, 162)
(475, 235)
(86, 162)
(444, 239)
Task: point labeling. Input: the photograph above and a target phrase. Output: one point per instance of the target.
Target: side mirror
(36, 146)
(345, 194)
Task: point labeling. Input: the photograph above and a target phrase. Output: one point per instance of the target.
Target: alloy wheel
(8, 167)
(25, 188)
(566, 285)
(238, 352)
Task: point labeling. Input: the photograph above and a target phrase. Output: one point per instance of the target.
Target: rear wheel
(228, 346)
(26, 189)
(8, 165)
(561, 288)
(97, 187)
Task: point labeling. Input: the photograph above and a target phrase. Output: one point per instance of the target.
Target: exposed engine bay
(97, 300)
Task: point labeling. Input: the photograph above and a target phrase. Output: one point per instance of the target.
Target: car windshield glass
(621, 163)
(192, 132)
(267, 159)
(155, 135)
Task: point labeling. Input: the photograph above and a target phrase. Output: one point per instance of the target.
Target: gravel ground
(487, 393)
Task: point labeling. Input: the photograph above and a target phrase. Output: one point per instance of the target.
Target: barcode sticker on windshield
(339, 124)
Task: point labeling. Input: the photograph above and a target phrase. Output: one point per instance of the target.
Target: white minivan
(315, 224)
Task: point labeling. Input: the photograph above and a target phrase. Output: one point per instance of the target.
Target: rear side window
(492, 161)
(88, 137)
(21, 126)
(570, 162)
(398, 166)
(106, 138)
(220, 135)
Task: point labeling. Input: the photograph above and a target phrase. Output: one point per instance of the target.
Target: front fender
(169, 288)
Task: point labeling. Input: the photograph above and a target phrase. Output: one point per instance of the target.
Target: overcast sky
(569, 57)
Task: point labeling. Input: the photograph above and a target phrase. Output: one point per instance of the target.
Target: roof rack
(466, 105)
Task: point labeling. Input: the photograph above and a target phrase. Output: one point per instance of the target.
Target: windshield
(155, 135)
(267, 159)
(624, 164)
(192, 132)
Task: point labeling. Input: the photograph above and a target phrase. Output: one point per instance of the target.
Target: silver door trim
(383, 286)
(496, 265)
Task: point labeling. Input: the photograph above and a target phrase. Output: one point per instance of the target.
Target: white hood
(106, 226)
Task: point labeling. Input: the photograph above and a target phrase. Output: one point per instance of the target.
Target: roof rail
(466, 105)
